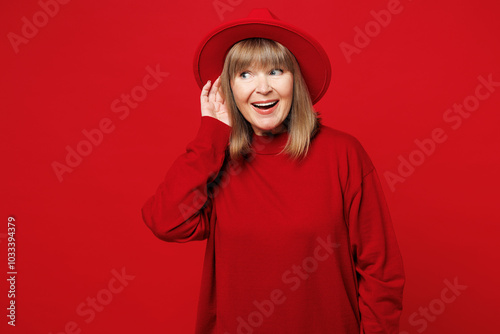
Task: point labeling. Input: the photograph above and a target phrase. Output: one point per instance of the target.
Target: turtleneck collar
(269, 144)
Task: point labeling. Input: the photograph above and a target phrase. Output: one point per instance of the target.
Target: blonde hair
(302, 122)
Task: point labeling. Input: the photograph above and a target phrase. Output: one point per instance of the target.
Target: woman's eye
(276, 71)
(245, 75)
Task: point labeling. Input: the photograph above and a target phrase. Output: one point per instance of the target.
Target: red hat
(312, 58)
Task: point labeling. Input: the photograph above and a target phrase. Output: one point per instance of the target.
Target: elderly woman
(299, 236)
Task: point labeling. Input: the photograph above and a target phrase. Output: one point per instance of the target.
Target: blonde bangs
(258, 53)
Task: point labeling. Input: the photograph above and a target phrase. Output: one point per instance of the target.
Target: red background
(72, 234)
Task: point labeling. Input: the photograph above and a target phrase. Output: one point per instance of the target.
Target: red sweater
(292, 247)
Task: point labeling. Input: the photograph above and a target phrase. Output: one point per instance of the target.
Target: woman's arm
(378, 262)
(181, 209)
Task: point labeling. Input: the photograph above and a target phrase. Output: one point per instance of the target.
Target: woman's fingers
(213, 91)
(212, 101)
(204, 91)
(218, 96)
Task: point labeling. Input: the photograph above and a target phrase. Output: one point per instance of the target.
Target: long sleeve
(377, 258)
(181, 209)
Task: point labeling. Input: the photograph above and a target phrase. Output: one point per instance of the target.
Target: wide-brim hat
(312, 58)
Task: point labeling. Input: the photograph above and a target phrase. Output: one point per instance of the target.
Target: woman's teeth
(266, 105)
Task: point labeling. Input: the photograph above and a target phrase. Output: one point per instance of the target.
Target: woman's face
(264, 97)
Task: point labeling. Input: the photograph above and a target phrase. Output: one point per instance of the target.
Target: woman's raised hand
(212, 102)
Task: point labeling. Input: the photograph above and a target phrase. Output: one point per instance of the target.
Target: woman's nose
(263, 86)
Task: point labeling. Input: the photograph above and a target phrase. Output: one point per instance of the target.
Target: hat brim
(313, 60)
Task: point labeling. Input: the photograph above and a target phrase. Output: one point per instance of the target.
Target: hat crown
(262, 13)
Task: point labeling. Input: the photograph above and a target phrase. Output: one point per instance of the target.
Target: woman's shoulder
(333, 136)
(343, 146)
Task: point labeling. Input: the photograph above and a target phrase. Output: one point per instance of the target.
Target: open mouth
(265, 105)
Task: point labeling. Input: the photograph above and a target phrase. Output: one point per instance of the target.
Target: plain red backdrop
(74, 231)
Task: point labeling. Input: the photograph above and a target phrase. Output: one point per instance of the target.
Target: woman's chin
(266, 129)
